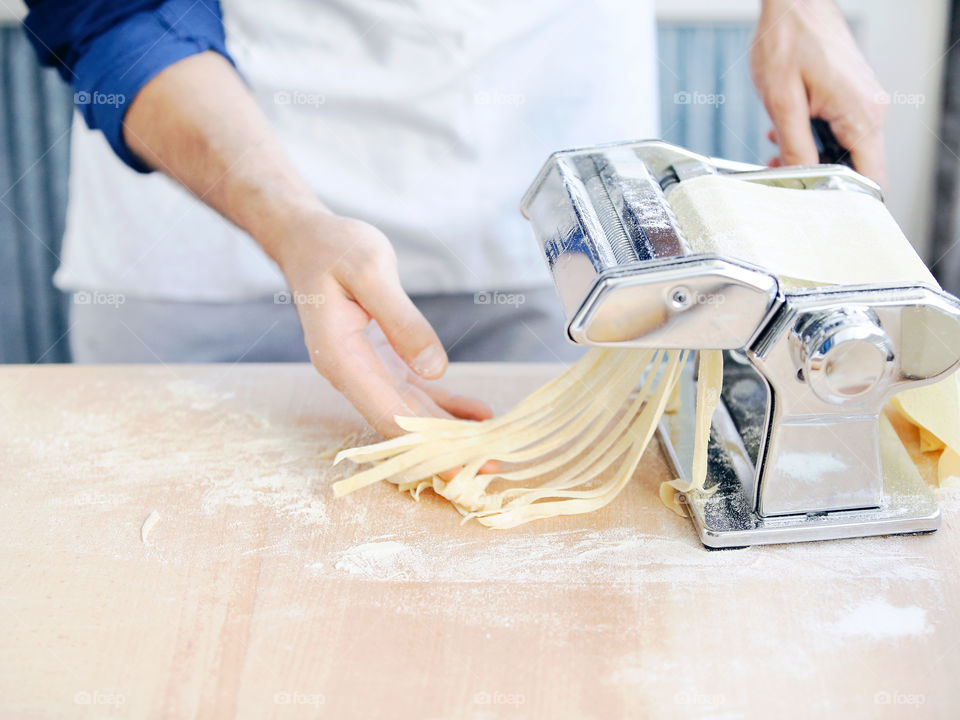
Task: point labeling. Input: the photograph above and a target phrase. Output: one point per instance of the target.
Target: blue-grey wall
(707, 99)
(708, 105)
(34, 152)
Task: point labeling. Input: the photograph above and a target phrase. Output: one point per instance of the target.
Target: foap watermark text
(695, 97)
(98, 297)
(494, 297)
(299, 298)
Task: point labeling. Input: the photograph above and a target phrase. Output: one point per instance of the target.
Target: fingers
(866, 149)
(464, 407)
(342, 348)
(460, 406)
(789, 110)
(490, 467)
(864, 140)
(806, 63)
(356, 370)
(342, 353)
(404, 325)
(365, 266)
(366, 336)
(869, 159)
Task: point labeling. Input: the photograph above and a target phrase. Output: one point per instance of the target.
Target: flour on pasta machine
(796, 450)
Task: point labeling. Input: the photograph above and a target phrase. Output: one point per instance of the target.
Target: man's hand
(196, 122)
(343, 279)
(806, 64)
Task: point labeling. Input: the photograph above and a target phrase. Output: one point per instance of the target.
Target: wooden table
(257, 594)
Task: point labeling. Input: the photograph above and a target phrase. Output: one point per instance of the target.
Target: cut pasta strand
(709, 384)
(581, 436)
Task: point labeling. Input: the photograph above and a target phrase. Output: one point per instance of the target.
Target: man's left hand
(806, 64)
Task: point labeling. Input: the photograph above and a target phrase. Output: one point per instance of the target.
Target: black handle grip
(829, 148)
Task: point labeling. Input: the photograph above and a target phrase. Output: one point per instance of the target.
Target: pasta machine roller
(795, 447)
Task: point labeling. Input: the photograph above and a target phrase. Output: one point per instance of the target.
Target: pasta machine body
(796, 447)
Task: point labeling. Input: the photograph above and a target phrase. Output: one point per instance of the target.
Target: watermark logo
(92, 498)
(682, 298)
(487, 297)
(692, 697)
(899, 698)
(287, 697)
(496, 97)
(484, 697)
(96, 297)
(298, 97)
(82, 97)
(693, 97)
(98, 697)
(297, 298)
(900, 98)
(709, 299)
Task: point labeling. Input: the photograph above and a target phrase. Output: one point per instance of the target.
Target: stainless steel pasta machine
(795, 449)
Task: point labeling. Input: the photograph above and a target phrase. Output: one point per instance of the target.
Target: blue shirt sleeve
(109, 49)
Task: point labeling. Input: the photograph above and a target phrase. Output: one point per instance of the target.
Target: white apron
(427, 118)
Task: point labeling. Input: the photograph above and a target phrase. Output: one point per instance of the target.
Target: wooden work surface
(257, 594)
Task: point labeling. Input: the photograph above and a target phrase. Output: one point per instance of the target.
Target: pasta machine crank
(795, 448)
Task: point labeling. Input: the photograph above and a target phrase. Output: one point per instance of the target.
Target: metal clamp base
(727, 518)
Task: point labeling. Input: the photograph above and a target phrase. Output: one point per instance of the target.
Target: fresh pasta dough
(935, 411)
(568, 448)
(805, 237)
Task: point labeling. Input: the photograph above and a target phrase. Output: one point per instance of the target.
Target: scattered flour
(948, 498)
(614, 556)
(289, 493)
(808, 467)
(879, 620)
(387, 560)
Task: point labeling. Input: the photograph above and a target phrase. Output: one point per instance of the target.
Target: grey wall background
(34, 157)
(707, 100)
(945, 255)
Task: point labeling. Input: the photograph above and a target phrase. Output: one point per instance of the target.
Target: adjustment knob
(845, 356)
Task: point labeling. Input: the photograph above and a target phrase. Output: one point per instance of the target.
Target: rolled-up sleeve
(109, 50)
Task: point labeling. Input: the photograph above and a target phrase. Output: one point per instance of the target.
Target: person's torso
(428, 119)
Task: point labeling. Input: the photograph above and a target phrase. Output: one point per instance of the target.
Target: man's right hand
(197, 122)
(343, 278)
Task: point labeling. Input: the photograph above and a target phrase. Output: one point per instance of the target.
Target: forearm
(196, 122)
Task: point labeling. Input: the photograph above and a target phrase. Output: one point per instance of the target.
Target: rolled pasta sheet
(791, 232)
(935, 410)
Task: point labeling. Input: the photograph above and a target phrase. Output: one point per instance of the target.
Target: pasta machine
(795, 447)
